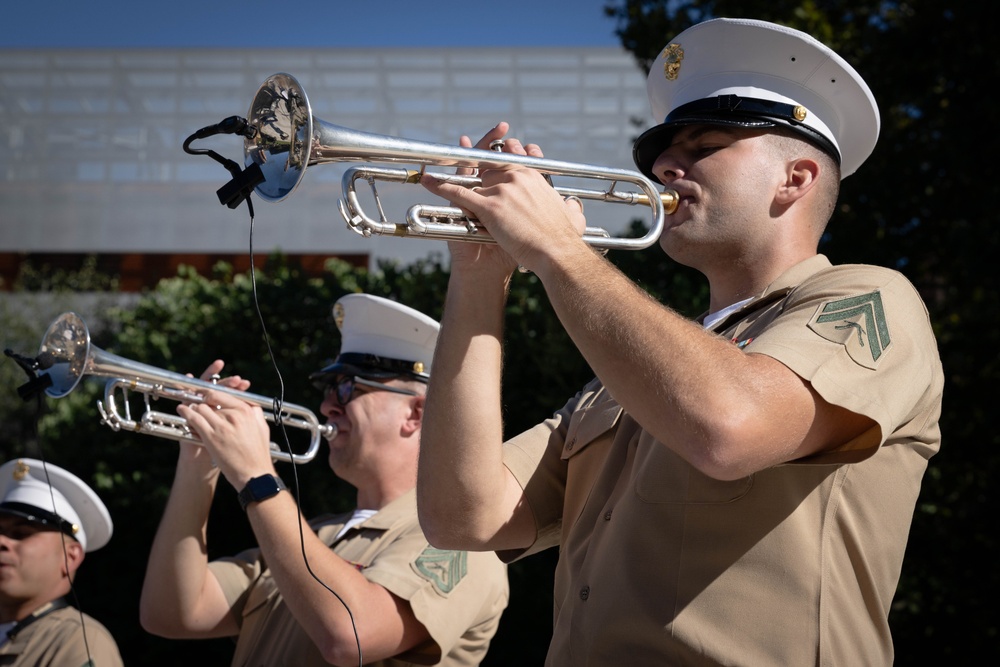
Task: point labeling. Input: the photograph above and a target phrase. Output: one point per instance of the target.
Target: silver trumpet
(66, 355)
(287, 139)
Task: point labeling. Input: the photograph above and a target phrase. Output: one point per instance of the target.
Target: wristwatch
(260, 488)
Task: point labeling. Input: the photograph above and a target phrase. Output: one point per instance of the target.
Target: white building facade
(92, 160)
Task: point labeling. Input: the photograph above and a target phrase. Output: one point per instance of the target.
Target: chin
(681, 253)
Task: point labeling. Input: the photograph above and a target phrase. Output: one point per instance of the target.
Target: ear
(800, 176)
(74, 556)
(415, 418)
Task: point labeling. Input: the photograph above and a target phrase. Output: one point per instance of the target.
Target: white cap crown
(25, 487)
(755, 73)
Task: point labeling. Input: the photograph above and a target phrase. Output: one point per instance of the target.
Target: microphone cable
(240, 189)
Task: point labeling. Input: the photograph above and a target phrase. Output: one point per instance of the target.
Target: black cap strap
(734, 104)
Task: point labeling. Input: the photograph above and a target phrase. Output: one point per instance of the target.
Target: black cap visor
(367, 366)
(39, 516)
(726, 110)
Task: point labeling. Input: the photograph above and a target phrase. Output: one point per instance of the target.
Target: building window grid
(105, 120)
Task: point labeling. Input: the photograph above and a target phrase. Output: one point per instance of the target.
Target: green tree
(185, 323)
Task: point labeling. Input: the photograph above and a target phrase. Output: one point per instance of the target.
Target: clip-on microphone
(233, 193)
(37, 383)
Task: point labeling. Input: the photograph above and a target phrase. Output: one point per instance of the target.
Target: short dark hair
(789, 144)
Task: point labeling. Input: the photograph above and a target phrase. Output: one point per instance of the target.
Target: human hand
(194, 458)
(202, 456)
(211, 374)
(479, 256)
(233, 433)
(516, 205)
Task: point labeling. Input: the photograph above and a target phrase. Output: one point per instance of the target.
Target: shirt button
(607, 515)
(585, 593)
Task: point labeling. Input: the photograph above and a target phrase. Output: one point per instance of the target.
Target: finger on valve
(213, 374)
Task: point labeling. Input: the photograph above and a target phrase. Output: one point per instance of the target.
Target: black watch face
(259, 488)
(263, 487)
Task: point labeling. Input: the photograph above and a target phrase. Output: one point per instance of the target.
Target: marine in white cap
(408, 602)
(732, 490)
(49, 518)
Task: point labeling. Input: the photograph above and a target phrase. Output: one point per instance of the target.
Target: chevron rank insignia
(858, 323)
(443, 568)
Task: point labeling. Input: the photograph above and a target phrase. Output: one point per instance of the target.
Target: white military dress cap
(69, 504)
(381, 339)
(759, 74)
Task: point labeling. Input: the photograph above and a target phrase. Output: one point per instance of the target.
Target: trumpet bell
(63, 352)
(281, 114)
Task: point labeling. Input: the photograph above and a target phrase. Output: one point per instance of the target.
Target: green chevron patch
(443, 568)
(858, 323)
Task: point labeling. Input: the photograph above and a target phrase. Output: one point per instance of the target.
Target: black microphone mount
(37, 383)
(239, 188)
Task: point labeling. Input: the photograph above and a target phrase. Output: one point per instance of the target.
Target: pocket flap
(590, 423)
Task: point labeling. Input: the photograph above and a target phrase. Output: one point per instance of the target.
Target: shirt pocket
(662, 476)
(259, 596)
(589, 438)
(588, 424)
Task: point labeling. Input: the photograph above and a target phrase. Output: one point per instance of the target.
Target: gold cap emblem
(799, 112)
(338, 315)
(672, 57)
(20, 471)
(418, 367)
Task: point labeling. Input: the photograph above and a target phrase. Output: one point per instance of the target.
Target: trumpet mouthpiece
(670, 200)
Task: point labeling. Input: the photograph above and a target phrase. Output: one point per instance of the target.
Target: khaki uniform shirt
(57, 640)
(458, 596)
(794, 565)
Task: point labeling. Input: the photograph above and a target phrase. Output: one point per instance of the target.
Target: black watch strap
(260, 488)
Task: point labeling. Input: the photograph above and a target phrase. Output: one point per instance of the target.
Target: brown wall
(141, 270)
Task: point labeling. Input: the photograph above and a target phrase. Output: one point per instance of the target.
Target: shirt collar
(778, 288)
(402, 508)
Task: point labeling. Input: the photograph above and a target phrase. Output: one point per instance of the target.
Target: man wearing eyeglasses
(361, 588)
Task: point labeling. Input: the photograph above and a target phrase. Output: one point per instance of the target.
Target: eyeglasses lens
(345, 391)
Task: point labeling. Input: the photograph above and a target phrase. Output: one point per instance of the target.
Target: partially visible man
(319, 592)
(49, 518)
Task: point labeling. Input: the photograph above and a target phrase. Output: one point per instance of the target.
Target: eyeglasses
(343, 389)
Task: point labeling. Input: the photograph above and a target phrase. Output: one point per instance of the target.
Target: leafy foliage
(185, 323)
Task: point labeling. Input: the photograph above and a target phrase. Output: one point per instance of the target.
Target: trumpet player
(736, 489)
(376, 585)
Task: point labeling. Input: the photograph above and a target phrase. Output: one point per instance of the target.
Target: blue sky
(306, 23)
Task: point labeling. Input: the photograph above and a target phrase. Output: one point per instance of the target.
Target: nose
(667, 168)
(330, 407)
